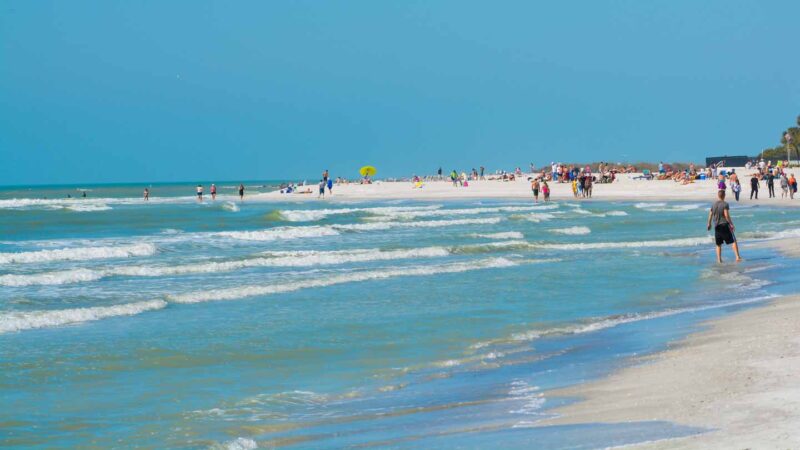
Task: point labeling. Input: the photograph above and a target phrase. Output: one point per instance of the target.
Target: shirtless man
(723, 226)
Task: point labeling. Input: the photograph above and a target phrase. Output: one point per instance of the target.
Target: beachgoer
(574, 187)
(792, 186)
(213, 191)
(771, 184)
(482, 169)
(325, 175)
(736, 188)
(587, 187)
(199, 192)
(754, 187)
(146, 194)
(721, 183)
(535, 189)
(723, 226)
(784, 186)
(83, 194)
(241, 191)
(439, 173)
(321, 188)
(330, 186)
(546, 191)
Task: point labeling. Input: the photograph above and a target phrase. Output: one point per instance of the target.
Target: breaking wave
(26, 320)
(255, 290)
(78, 253)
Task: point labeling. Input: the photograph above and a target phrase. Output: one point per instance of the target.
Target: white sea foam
(422, 224)
(535, 217)
(572, 230)
(501, 235)
(57, 277)
(682, 242)
(88, 207)
(25, 320)
(299, 258)
(613, 321)
(615, 213)
(664, 207)
(255, 290)
(408, 215)
(230, 206)
(280, 233)
(239, 443)
(79, 253)
(310, 215)
(531, 397)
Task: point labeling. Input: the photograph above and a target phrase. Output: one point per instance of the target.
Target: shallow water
(327, 325)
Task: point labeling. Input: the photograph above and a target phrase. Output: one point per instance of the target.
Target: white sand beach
(738, 378)
(627, 187)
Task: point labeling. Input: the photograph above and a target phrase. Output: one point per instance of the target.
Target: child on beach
(546, 191)
(321, 189)
(575, 187)
(736, 188)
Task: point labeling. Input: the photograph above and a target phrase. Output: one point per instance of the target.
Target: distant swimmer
(241, 191)
(200, 192)
(83, 194)
(213, 191)
(723, 226)
(146, 194)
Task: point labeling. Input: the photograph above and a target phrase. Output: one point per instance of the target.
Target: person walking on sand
(482, 169)
(792, 186)
(330, 186)
(535, 189)
(754, 187)
(241, 192)
(213, 191)
(146, 194)
(723, 226)
(199, 192)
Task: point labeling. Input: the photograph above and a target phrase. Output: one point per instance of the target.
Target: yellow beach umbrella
(368, 171)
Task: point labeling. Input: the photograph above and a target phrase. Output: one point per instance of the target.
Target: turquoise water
(396, 324)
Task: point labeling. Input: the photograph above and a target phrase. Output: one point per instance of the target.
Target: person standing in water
(546, 191)
(213, 191)
(535, 189)
(146, 194)
(199, 192)
(723, 226)
(241, 191)
(322, 184)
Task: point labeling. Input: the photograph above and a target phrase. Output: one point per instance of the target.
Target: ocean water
(227, 324)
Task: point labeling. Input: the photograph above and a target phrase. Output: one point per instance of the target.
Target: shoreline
(624, 189)
(735, 377)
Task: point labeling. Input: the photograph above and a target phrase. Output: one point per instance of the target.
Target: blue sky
(97, 91)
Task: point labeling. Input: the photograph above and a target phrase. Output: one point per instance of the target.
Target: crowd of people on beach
(762, 172)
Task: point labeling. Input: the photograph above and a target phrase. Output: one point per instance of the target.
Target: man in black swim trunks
(723, 226)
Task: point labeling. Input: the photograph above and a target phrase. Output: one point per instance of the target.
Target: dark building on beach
(727, 161)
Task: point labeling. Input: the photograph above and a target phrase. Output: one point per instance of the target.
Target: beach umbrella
(368, 171)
